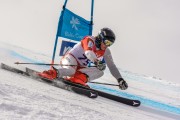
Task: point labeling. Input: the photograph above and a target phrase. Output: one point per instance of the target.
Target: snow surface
(24, 98)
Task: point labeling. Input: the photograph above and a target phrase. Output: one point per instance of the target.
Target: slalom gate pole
(104, 83)
(18, 63)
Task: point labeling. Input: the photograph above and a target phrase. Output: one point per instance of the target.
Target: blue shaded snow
(144, 101)
(27, 59)
(15, 54)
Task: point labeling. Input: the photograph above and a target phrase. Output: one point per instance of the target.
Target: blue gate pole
(58, 31)
(92, 11)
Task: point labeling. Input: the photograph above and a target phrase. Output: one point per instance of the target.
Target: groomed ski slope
(24, 98)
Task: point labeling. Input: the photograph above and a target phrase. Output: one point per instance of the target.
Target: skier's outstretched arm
(114, 70)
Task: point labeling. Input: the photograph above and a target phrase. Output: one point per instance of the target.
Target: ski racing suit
(80, 56)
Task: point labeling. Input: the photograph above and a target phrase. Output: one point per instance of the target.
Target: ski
(77, 88)
(127, 101)
(61, 84)
(12, 69)
(86, 92)
(57, 82)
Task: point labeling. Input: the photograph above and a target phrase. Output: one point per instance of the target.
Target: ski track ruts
(21, 103)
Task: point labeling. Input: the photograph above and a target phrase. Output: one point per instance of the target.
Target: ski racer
(91, 49)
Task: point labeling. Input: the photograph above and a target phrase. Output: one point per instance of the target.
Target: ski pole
(104, 83)
(18, 63)
(50, 64)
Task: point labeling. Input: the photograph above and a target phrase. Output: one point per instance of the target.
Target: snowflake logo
(74, 22)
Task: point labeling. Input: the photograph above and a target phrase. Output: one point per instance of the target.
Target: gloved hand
(122, 84)
(100, 65)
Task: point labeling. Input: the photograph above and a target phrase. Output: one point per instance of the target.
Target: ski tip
(136, 103)
(93, 94)
(16, 63)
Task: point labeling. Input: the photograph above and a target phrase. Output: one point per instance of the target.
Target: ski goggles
(108, 43)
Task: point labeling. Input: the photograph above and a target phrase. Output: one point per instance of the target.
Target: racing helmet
(107, 36)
